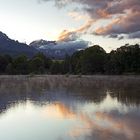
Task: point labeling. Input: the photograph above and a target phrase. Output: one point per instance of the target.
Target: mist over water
(69, 108)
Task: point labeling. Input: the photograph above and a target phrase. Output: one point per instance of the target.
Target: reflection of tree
(125, 88)
(16, 89)
(127, 96)
(8, 100)
(39, 90)
(95, 95)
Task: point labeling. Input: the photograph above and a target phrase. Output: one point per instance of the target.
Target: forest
(93, 60)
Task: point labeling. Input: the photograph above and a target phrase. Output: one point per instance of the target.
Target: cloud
(61, 48)
(68, 36)
(74, 35)
(77, 16)
(134, 35)
(72, 45)
(124, 16)
(122, 25)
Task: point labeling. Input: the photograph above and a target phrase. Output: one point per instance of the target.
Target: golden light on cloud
(72, 35)
(104, 30)
(103, 13)
(78, 16)
(64, 35)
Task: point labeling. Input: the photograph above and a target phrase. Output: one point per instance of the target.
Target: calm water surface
(29, 111)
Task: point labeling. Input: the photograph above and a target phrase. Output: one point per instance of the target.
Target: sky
(109, 23)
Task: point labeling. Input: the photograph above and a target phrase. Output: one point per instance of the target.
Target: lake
(69, 108)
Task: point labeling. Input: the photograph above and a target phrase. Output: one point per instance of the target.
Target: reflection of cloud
(103, 126)
(115, 125)
(58, 110)
(99, 124)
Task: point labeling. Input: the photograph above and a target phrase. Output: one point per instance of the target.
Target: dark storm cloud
(123, 14)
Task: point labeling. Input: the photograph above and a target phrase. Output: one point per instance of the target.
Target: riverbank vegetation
(93, 60)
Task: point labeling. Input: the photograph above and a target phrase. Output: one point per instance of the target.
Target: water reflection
(39, 111)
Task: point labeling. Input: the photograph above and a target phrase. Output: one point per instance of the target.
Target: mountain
(58, 50)
(14, 48)
(41, 42)
(52, 49)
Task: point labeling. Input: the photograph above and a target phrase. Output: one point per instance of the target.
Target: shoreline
(74, 76)
(86, 81)
(85, 85)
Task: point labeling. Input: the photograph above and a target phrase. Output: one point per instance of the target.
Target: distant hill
(58, 50)
(14, 48)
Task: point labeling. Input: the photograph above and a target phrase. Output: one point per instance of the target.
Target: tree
(37, 65)
(113, 64)
(4, 60)
(47, 61)
(21, 65)
(66, 65)
(56, 67)
(125, 59)
(93, 60)
(76, 62)
(10, 69)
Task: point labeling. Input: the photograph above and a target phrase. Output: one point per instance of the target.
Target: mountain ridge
(11, 47)
(58, 49)
(52, 49)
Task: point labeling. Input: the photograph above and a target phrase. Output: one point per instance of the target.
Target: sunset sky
(109, 23)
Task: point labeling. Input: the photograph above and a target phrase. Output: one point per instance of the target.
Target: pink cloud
(127, 11)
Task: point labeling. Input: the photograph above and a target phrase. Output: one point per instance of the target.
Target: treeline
(93, 60)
